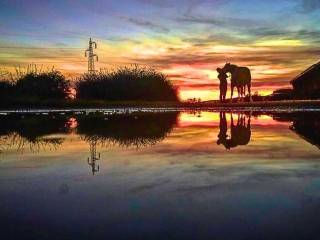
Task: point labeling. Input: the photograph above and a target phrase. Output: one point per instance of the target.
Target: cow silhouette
(240, 78)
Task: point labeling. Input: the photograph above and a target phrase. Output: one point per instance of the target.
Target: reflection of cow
(240, 133)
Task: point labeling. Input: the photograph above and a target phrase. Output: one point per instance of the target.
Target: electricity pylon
(91, 56)
(93, 157)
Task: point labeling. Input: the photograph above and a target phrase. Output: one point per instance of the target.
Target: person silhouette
(222, 136)
(222, 76)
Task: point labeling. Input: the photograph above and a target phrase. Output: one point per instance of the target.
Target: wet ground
(164, 175)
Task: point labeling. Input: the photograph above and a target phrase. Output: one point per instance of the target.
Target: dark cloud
(250, 36)
(158, 3)
(118, 39)
(146, 24)
(200, 20)
(199, 85)
(219, 38)
(219, 22)
(304, 34)
(310, 5)
(178, 59)
(188, 5)
(288, 57)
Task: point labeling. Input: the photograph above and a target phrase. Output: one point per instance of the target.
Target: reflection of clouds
(64, 189)
(230, 178)
(185, 180)
(149, 186)
(211, 119)
(270, 141)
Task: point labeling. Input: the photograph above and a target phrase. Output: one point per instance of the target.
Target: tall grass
(126, 83)
(34, 86)
(7, 89)
(32, 83)
(7, 85)
(44, 85)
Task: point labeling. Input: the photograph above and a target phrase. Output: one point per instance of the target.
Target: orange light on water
(71, 124)
(210, 119)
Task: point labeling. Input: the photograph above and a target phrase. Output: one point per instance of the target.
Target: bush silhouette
(126, 83)
(7, 89)
(44, 85)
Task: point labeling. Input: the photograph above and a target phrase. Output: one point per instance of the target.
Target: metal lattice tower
(91, 56)
(93, 157)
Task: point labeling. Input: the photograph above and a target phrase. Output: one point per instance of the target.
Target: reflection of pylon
(91, 56)
(93, 157)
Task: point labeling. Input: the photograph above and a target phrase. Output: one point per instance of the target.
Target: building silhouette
(307, 83)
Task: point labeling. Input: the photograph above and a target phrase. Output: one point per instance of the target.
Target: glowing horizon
(186, 40)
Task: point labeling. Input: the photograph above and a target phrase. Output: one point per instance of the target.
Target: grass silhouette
(126, 83)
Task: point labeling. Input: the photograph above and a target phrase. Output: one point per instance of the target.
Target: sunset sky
(185, 39)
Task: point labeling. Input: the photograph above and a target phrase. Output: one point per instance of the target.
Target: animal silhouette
(240, 78)
(240, 133)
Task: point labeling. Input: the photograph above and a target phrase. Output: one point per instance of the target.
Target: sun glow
(187, 53)
(203, 94)
(280, 42)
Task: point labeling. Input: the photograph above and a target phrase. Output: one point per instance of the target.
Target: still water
(169, 175)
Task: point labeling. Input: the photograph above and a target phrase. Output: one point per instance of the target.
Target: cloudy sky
(185, 39)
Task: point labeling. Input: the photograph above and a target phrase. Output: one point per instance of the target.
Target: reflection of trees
(36, 132)
(31, 131)
(16, 141)
(306, 125)
(137, 130)
(194, 112)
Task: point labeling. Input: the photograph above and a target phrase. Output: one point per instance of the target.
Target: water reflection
(32, 132)
(136, 130)
(240, 132)
(306, 125)
(183, 185)
(127, 130)
(48, 132)
(223, 126)
(43, 132)
(94, 157)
